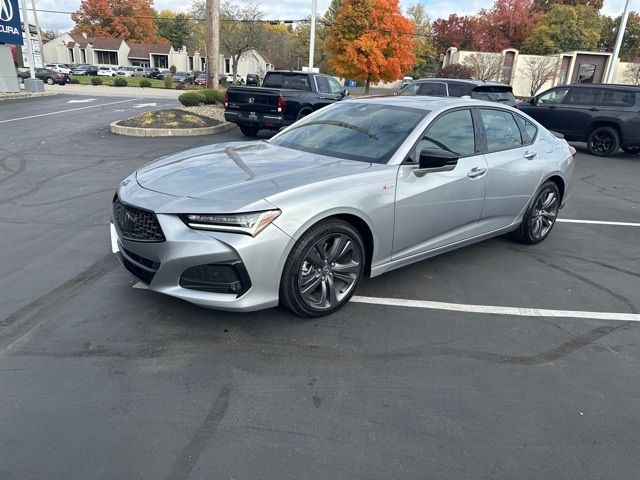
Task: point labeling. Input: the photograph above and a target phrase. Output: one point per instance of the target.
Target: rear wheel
(603, 141)
(631, 149)
(50, 81)
(323, 270)
(541, 215)
(303, 113)
(249, 131)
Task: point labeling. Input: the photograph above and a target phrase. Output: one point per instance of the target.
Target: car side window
(500, 130)
(322, 84)
(527, 128)
(553, 96)
(334, 86)
(452, 132)
(583, 96)
(618, 98)
(459, 90)
(434, 89)
(411, 89)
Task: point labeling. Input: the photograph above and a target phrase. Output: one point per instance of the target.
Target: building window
(160, 61)
(83, 56)
(227, 65)
(586, 73)
(190, 63)
(106, 58)
(71, 56)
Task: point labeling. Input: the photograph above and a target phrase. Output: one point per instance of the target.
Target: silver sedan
(357, 188)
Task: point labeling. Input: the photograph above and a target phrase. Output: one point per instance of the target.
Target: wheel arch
(609, 122)
(560, 183)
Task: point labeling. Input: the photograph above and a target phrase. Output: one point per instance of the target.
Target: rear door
(433, 89)
(578, 111)
(547, 108)
(515, 165)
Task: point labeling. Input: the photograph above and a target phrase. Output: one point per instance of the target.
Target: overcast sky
(293, 9)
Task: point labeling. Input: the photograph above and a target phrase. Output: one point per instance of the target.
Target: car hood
(232, 176)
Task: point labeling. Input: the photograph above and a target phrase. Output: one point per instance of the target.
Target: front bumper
(266, 121)
(161, 264)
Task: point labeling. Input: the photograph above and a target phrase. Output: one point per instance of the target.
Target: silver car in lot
(357, 188)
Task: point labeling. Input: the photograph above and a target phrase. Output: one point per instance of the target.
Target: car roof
(424, 102)
(602, 85)
(461, 80)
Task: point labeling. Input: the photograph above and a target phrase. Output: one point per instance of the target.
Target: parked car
(200, 80)
(22, 74)
(107, 71)
(603, 115)
(85, 69)
(151, 72)
(253, 80)
(446, 87)
(51, 76)
(284, 97)
(180, 77)
(357, 188)
(130, 72)
(164, 72)
(60, 67)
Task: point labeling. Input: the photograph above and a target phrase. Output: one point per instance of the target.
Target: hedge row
(201, 97)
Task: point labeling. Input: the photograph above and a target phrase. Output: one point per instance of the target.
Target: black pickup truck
(283, 98)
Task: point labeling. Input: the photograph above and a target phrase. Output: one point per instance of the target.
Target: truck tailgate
(255, 99)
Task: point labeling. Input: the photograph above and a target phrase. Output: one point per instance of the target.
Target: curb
(19, 96)
(169, 132)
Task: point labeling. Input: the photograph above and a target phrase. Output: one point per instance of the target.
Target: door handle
(594, 109)
(552, 107)
(476, 172)
(529, 154)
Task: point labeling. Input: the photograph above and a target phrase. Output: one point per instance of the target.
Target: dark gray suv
(448, 87)
(603, 115)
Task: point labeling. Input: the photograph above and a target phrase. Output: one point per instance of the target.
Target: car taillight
(572, 150)
(281, 104)
(226, 99)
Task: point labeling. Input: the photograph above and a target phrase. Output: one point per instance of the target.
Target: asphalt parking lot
(101, 380)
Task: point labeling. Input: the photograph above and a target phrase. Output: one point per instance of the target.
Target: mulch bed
(173, 118)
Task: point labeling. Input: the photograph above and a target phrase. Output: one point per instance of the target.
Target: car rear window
(287, 80)
(618, 98)
(494, 93)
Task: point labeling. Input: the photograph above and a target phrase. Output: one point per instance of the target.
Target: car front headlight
(251, 223)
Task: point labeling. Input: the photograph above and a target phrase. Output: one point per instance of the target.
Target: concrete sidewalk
(109, 91)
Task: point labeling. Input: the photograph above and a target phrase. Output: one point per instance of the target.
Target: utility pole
(27, 36)
(213, 43)
(312, 35)
(616, 49)
(35, 20)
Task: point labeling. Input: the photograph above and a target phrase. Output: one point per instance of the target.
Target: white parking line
(68, 110)
(495, 310)
(598, 222)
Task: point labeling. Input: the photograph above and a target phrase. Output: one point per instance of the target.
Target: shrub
(96, 81)
(213, 96)
(74, 81)
(144, 83)
(172, 69)
(180, 86)
(120, 82)
(168, 81)
(192, 99)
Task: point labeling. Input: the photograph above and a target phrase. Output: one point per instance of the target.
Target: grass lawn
(131, 81)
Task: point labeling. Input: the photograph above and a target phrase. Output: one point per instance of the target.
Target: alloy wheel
(544, 214)
(329, 271)
(602, 143)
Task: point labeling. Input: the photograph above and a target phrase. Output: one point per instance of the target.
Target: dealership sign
(10, 28)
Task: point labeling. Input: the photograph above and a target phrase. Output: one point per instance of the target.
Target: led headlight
(248, 223)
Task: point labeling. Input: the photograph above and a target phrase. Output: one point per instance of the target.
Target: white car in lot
(130, 72)
(107, 71)
(59, 67)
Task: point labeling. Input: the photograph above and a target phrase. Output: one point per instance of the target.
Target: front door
(547, 108)
(440, 208)
(515, 166)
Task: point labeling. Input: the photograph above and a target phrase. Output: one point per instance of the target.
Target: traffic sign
(10, 28)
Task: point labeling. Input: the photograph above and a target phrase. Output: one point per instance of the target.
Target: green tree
(545, 5)
(426, 62)
(630, 48)
(332, 12)
(176, 28)
(565, 28)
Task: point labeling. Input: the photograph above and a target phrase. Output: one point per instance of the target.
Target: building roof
(105, 43)
(71, 44)
(80, 39)
(143, 50)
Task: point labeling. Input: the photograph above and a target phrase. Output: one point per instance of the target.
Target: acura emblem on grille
(251, 99)
(128, 221)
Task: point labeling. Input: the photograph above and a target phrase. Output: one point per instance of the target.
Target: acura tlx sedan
(357, 188)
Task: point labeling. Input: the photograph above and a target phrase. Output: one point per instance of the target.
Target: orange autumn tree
(126, 19)
(371, 41)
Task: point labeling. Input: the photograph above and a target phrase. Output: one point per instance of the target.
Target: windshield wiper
(337, 123)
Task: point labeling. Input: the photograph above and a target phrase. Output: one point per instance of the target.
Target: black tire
(20, 80)
(538, 220)
(50, 81)
(333, 255)
(631, 149)
(603, 141)
(249, 131)
(303, 113)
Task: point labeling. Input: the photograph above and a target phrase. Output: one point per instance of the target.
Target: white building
(80, 48)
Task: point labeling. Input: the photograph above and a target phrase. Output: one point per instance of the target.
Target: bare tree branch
(484, 66)
(539, 70)
(632, 73)
(241, 30)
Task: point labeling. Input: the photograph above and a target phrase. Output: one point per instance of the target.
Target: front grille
(136, 224)
(217, 277)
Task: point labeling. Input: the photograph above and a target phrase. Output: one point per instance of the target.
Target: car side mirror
(436, 160)
(345, 93)
(533, 100)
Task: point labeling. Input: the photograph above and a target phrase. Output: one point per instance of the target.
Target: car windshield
(494, 94)
(353, 131)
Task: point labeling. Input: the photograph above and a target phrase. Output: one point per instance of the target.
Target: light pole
(27, 36)
(616, 49)
(312, 35)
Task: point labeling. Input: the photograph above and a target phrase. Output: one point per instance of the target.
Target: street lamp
(312, 35)
(616, 49)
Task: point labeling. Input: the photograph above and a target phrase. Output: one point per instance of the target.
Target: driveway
(496, 361)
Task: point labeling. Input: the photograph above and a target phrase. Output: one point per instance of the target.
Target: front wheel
(50, 81)
(541, 215)
(249, 131)
(603, 141)
(631, 149)
(323, 269)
